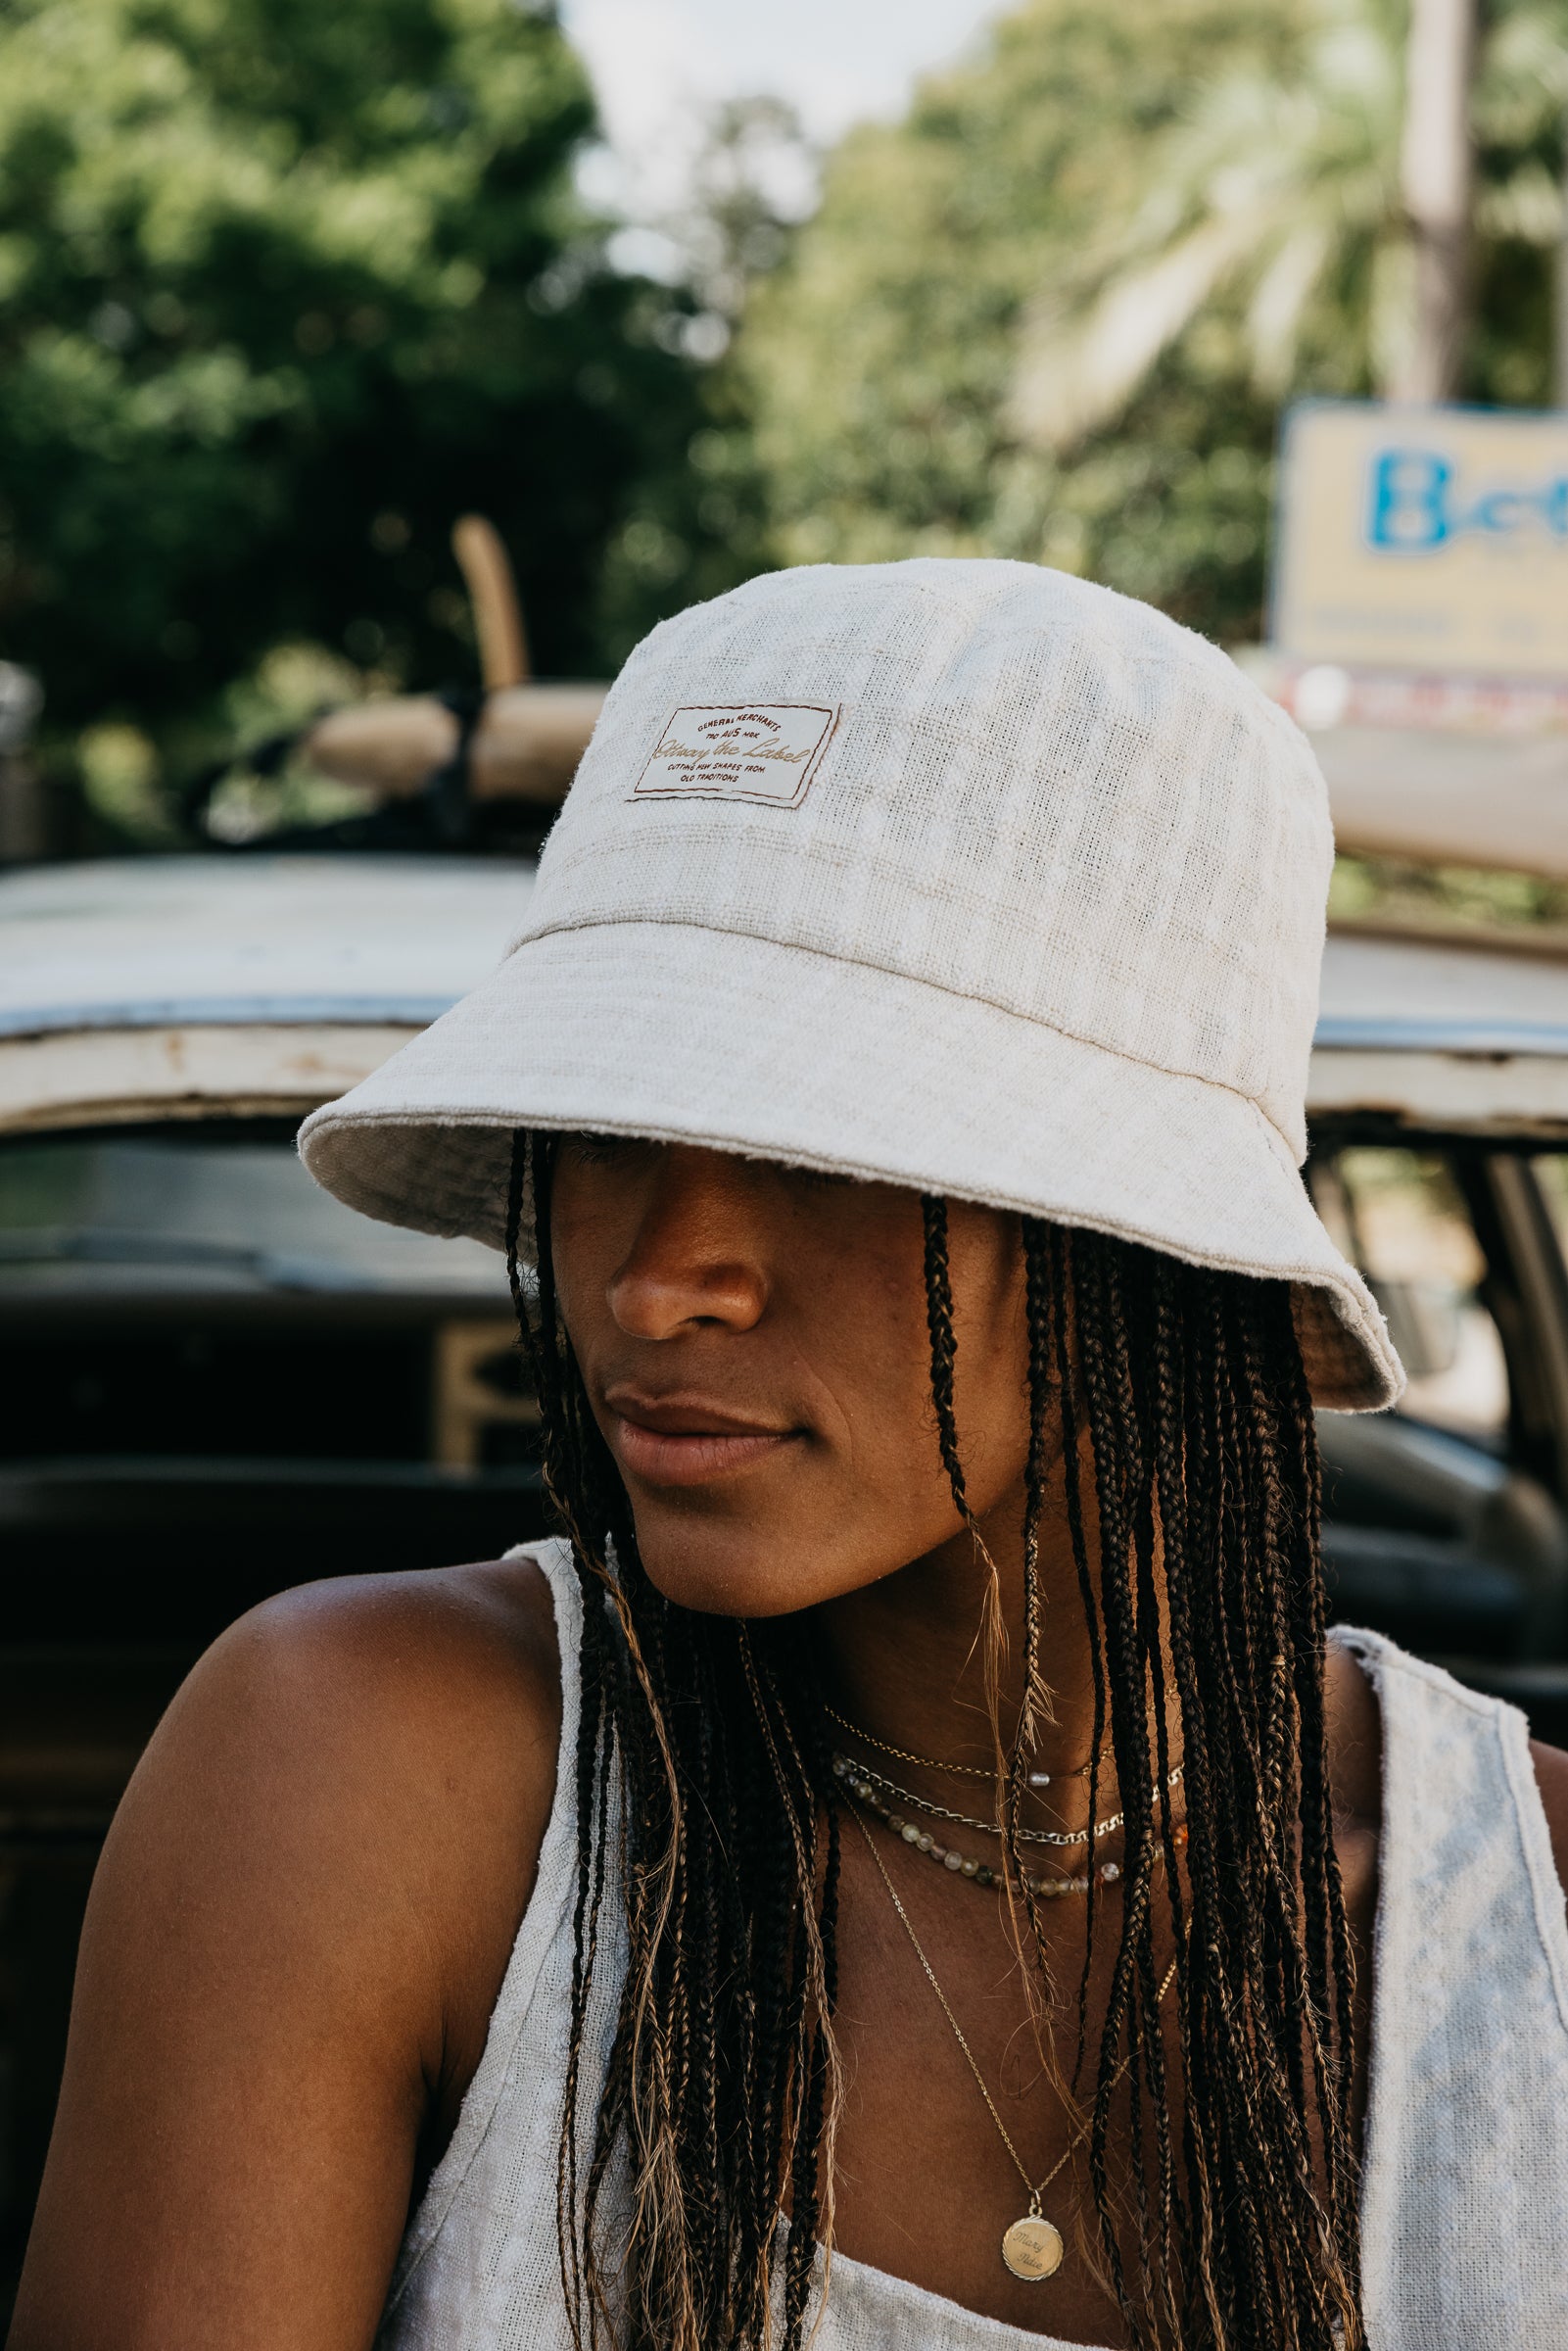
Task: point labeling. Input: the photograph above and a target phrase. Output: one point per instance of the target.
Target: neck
(905, 1658)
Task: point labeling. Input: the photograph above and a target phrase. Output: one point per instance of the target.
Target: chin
(721, 1566)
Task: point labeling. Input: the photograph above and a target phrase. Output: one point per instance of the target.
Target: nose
(695, 1259)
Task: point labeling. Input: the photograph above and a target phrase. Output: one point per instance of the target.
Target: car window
(1399, 1216)
(1551, 1173)
(213, 1213)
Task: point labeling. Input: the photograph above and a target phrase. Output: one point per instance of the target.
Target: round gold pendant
(1032, 2248)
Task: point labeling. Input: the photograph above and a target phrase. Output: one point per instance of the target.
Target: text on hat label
(763, 751)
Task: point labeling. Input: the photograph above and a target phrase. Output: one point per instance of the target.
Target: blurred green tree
(285, 288)
(1299, 197)
(943, 367)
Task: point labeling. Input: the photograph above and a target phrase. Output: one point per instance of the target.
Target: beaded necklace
(1048, 1885)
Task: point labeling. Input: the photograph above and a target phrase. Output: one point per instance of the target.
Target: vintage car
(219, 1380)
(222, 1382)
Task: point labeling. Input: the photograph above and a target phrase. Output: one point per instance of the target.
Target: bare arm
(1551, 1778)
(294, 1938)
(1355, 1740)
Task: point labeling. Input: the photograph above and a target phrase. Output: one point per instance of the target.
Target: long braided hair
(705, 1738)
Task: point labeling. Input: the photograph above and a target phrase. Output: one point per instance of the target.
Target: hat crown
(988, 777)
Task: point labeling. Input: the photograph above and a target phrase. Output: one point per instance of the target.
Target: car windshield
(204, 1209)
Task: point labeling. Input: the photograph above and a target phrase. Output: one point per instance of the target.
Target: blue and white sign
(1433, 540)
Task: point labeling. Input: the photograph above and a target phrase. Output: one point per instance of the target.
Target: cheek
(991, 1362)
(584, 1249)
(857, 1328)
(886, 1406)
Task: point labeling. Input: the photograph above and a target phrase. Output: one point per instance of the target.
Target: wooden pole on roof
(487, 574)
(529, 737)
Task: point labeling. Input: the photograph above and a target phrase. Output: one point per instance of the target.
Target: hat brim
(689, 1035)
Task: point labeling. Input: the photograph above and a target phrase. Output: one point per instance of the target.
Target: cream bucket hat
(965, 876)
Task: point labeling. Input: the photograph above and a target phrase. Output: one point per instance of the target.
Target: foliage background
(880, 362)
(283, 290)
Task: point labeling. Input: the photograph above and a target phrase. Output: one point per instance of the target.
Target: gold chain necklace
(847, 1767)
(1031, 2247)
(961, 1771)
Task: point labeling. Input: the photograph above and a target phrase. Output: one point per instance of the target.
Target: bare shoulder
(1551, 1778)
(393, 1735)
(1355, 1743)
(418, 1687)
(296, 1937)
(458, 1665)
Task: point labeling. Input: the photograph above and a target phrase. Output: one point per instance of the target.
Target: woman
(908, 1865)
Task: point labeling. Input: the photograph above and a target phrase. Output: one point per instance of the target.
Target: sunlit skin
(307, 1904)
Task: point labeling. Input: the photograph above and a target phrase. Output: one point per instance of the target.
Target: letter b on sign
(1408, 502)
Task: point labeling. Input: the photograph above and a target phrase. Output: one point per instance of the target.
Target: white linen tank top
(1465, 2176)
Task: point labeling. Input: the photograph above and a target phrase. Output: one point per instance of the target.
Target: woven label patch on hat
(763, 751)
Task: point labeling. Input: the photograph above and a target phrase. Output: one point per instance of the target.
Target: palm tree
(1345, 193)
(1437, 174)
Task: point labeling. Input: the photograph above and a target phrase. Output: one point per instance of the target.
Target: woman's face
(754, 1345)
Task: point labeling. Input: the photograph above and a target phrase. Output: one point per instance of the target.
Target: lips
(687, 1440)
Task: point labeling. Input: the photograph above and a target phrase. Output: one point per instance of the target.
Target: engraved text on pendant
(1033, 2247)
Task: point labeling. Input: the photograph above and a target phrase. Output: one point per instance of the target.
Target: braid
(1201, 1425)
(721, 2082)
(1195, 1546)
(940, 1323)
(943, 1355)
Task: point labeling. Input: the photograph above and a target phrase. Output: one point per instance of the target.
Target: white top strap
(1464, 2212)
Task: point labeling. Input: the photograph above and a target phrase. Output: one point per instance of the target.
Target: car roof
(1441, 1035)
(149, 942)
(144, 941)
(201, 986)
(1402, 990)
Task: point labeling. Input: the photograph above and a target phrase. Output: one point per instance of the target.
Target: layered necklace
(891, 1802)
(1033, 2246)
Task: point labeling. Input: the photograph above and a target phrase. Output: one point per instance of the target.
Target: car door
(1444, 1524)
